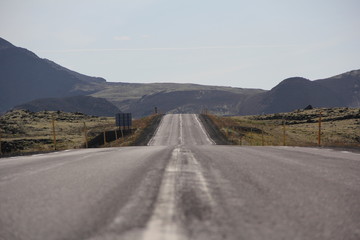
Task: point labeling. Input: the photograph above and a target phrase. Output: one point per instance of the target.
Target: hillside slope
(83, 104)
(126, 96)
(25, 77)
(296, 93)
(194, 101)
(346, 87)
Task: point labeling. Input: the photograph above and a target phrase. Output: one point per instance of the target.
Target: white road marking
(203, 130)
(181, 137)
(199, 179)
(152, 140)
(163, 223)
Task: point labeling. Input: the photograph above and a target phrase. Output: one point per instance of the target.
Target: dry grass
(339, 127)
(35, 130)
(138, 127)
(25, 131)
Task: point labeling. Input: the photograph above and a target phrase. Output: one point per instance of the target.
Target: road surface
(181, 186)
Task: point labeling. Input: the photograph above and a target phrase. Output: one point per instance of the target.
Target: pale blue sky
(250, 44)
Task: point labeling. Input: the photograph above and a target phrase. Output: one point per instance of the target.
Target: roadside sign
(123, 119)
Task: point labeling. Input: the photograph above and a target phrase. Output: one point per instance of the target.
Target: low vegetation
(339, 127)
(23, 131)
(141, 132)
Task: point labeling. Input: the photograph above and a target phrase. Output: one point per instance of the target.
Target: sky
(238, 43)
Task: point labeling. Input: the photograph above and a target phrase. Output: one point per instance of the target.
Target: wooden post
(0, 144)
(284, 133)
(116, 136)
(54, 132)
(85, 136)
(262, 136)
(319, 132)
(250, 137)
(104, 137)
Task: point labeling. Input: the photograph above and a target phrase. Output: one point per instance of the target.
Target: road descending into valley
(181, 186)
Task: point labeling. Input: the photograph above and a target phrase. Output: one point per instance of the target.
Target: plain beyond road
(181, 186)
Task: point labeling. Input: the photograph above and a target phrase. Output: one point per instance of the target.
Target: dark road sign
(123, 119)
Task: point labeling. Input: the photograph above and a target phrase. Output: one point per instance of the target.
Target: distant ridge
(296, 93)
(83, 104)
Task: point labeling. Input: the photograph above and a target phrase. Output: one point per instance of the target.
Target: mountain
(25, 77)
(127, 95)
(295, 93)
(346, 87)
(290, 94)
(188, 101)
(172, 97)
(79, 76)
(83, 104)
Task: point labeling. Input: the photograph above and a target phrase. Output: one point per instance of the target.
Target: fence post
(85, 136)
(53, 131)
(251, 137)
(284, 133)
(0, 144)
(319, 132)
(262, 136)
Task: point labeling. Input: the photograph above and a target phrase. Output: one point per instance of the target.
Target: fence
(108, 136)
(319, 127)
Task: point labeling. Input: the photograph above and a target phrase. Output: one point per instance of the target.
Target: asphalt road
(182, 186)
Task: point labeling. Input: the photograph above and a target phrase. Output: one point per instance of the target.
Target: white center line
(164, 224)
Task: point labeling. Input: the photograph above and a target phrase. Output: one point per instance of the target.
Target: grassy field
(23, 131)
(339, 127)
